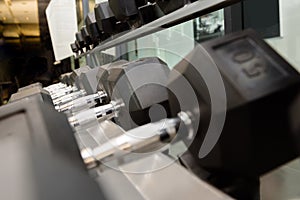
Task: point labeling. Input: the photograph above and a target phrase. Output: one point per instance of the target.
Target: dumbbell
(77, 104)
(86, 37)
(126, 11)
(68, 97)
(128, 105)
(75, 76)
(51, 95)
(255, 137)
(149, 13)
(35, 89)
(80, 42)
(146, 138)
(41, 139)
(93, 30)
(94, 94)
(103, 73)
(106, 20)
(122, 80)
(135, 12)
(56, 85)
(87, 81)
(168, 6)
(58, 92)
(65, 78)
(75, 48)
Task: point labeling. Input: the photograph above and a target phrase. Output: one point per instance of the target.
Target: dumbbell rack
(188, 12)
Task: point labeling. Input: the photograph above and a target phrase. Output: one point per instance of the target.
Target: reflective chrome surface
(282, 183)
(172, 182)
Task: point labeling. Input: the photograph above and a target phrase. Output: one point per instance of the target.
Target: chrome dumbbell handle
(83, 102)
(63, 92)
(135, 140)
(55, 86)
(69, 97)
(100, 113)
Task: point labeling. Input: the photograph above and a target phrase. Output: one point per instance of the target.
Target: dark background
(260, 15)
(26, 60)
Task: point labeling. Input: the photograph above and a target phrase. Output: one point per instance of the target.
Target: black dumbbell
(42, 140)
(123, 81)
(125, 11)
(260, 87)
(74, 48)
(80, 42)
(149, 13)
(86, 37)
(106, 20)
(135, 12)
(92, 28)
(168, 6)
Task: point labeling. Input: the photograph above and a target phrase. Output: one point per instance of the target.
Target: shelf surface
(190, 11)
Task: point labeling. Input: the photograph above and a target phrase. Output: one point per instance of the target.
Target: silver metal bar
(84, 102)
(135, 140)
(69, 97)
(99, 114)
(62, 92)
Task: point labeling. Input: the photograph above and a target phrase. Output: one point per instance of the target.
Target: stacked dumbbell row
(86, 108)
(256, 84)
(261, 88)
(114, 16)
